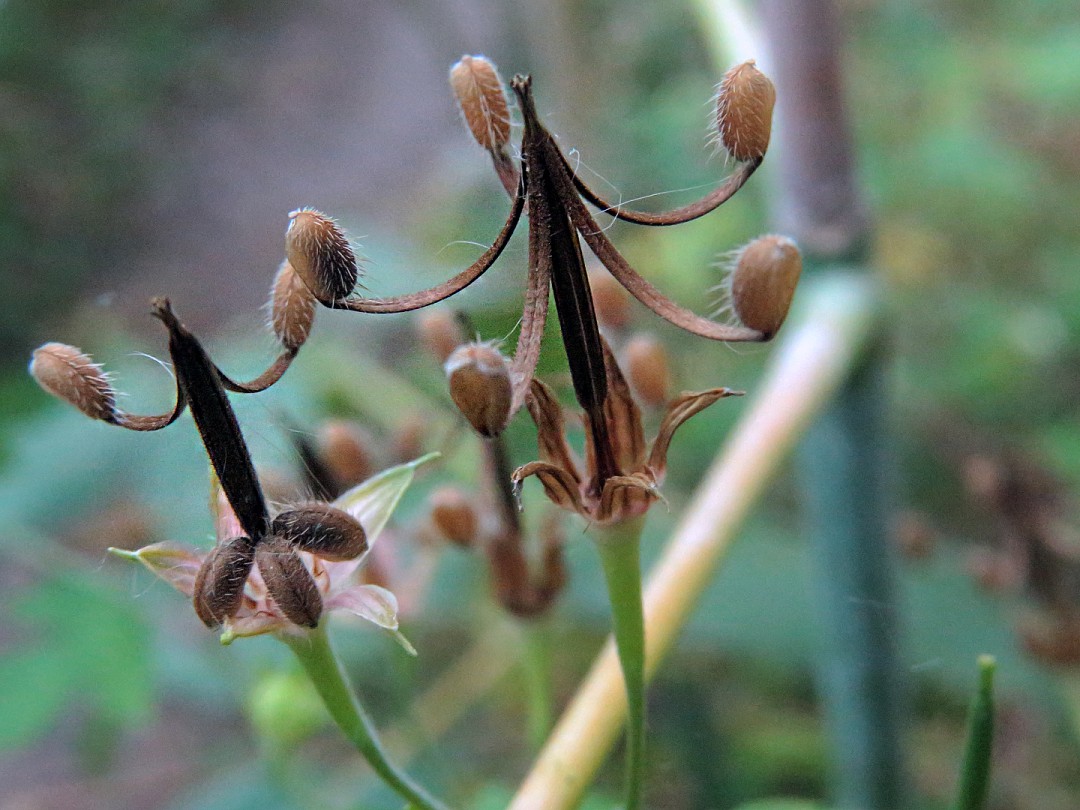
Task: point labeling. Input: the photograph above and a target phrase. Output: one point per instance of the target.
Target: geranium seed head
(763, 282)
(323, 530)
(70, 375)
(479, 378)
(292, 308)
(454, 517)
(482, 98)
(648, 369)
(289, 582)
(321, 255)
(744, 107)
(219, 584)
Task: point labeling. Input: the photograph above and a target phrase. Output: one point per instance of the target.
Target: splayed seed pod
(289, 582)
(480, 93)
(219, 584)
(744, 107)
(292, 308)
(479, 378)
(454, 516)
(68, 374)
(648, 370)
(323, 530)
(764, 282)
(321, 255)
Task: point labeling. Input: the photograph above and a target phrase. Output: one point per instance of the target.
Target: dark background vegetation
(156, 148)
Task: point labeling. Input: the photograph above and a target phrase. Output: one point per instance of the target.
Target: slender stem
(536, 666)
(975, 772)
(620, 555)
(323, 667)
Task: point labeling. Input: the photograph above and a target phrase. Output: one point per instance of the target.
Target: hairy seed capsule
(454, 516)
(219, 584)
(744, 107)
(67, 373)
(764, 282)
(648, 369)
(323, 530)
(292, 308)
(479, 92)
(289, 582)
(321, 255)
(479, 378)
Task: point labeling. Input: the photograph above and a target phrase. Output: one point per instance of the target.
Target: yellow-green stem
(620, 555)
(323, 667)
(536, 638)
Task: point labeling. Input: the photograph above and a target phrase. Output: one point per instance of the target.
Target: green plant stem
(975, 771)
(620, 555)
(536, 639)
(323, 667)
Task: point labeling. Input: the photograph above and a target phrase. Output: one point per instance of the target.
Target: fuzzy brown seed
(610, 299)
(289, 582)
(453, 516)
(648, 369)
(763, 282)
(479, 378)
(321, 255)
(219, 584)
(345, 449)
(323, 530)
(480, 93)
(439, 332)
(292, 308)
(744, 107)
(70, 375)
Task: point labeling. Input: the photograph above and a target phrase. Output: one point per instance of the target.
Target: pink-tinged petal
(176, 564)
(373, 501)
(681, 408)
(375, 604)
(246, 624)
(226, 524)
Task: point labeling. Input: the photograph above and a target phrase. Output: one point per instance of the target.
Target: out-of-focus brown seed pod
(454, 517)
(323, 530)
(480, 93)
(219, 584)
(763, 282)
(292, 308)
(610, 299)
(744, 107)
(321, 255)
(68, 374)
(289, 582)
(479, 378)
(439, 332)
(648, 369)
(344, 448)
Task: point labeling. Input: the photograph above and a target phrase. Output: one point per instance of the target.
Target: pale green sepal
(373, 501)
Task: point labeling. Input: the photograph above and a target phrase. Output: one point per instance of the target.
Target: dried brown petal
(323, 530)
(480, 93)
(219, 584)
(321, 255)
(479, 378)
(763, 283)
(344, 448)
(681, 408)
(67, 373)
(648, 369)
(289, 582)
(561, 486)
(453, 515)
(292, 308)
(744, 107)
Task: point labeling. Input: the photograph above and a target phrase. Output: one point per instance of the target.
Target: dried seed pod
(67, 373)
(479, 378)
(439, 332)
(648, 370)
(323, 530)
(480, 93)
(289, 581)
(345, 450)
(219, 584)
(744, 107)
(763, 282)
(610, 299)
(321, 255)
(292, 308)
(453, 516)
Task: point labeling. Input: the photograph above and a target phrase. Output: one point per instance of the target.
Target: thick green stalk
(975, 772)
(536, 639)
(322, 666)
(620, 555)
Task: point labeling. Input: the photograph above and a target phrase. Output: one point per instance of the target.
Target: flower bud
(479, 378)
(440, 333)
(744, 106)
(479, 92)
(345, 450)
(323, 530)
(289, 582)
(610, 299)
(763, 282)
(320, 254)
(67, 373)
(292, 308)
(219, 584)
(454, 516)
(648, 370)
